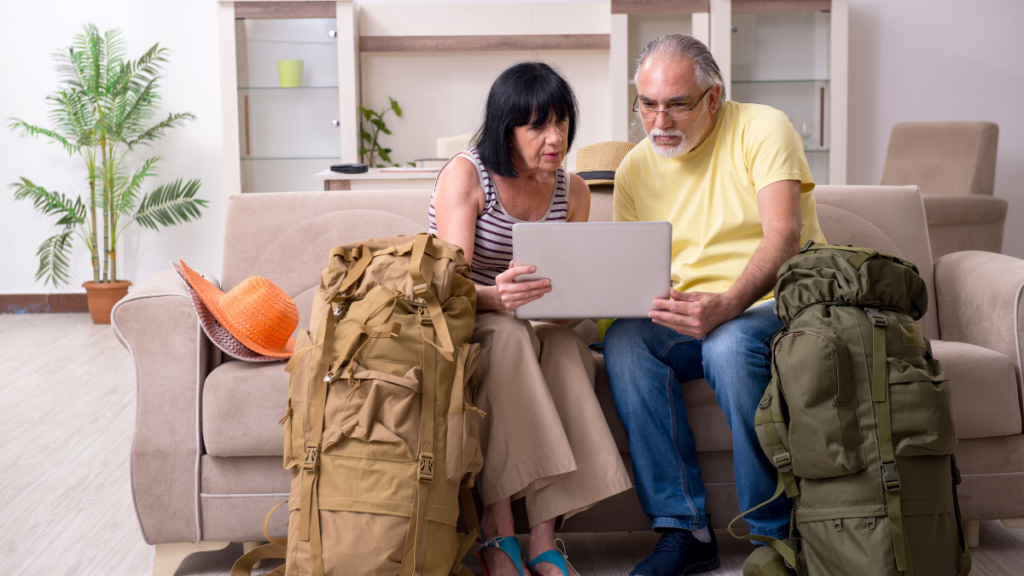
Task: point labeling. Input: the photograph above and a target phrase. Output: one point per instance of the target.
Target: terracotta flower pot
(102, 296)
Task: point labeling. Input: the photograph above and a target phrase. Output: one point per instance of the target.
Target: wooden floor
(67, 410)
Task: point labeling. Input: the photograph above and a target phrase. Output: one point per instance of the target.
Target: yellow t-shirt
(710, 193)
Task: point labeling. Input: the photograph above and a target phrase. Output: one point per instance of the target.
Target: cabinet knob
(335, 123)
(333, 33)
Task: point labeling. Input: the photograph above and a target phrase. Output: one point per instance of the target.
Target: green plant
(101, 112)
(369, 146)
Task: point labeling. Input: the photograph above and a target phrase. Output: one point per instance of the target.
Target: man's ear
(715, 98)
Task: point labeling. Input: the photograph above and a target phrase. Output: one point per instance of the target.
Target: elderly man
(733, 181)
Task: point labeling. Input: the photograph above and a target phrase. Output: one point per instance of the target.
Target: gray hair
(680, 48)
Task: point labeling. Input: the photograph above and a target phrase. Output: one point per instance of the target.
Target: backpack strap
(780, 456)
(472, 535)
(276, 548)
(787, 553)
(431, 320)
(309, 512)
(965, 556)
(422, 271)
(890, 475)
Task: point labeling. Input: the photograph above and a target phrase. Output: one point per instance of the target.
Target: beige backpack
(381, 433)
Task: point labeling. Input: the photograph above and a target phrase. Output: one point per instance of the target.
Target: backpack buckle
(426, 467)
(783, 462)
(876, 317)
(421, 290)
(890, 476)
(312, 461)
(425, 316)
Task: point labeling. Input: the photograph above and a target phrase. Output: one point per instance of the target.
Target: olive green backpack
(857, 419)
(380, 432)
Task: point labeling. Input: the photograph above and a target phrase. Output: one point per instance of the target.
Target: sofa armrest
(979, 300)
(158, 325)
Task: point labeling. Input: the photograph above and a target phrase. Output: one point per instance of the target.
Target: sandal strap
(551, 557)
(507, 544)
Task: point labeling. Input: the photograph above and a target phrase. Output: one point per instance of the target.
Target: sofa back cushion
(889, 219)
(286, 237)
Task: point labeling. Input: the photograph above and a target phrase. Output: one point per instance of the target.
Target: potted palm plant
(102, 112)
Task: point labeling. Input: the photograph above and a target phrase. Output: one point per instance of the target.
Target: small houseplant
(101, 112)
(370, 149)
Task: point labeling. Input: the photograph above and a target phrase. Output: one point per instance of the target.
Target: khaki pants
(544, 437)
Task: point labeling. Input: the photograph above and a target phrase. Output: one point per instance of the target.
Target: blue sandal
(507, 544)
(558, 557)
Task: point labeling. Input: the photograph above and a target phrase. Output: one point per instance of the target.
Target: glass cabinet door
(287, 102)
(781, 59)
(643, 28)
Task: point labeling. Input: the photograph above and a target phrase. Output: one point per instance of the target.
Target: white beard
(687, 142)
(669, 151)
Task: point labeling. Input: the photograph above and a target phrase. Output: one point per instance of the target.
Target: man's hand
(694, 313)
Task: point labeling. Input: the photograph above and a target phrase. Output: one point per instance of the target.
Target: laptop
(597, 269)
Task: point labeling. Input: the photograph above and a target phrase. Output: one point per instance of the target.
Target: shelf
(484, 43)
(815, 150)
(824, 81)
(250, 158)
(240, 88)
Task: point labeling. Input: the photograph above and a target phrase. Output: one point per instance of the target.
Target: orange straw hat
(253, 321)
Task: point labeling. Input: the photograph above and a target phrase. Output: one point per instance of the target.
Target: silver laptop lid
(597, 269)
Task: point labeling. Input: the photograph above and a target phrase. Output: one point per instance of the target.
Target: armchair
(954, 164)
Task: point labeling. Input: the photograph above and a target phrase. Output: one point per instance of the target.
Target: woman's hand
(511, 294)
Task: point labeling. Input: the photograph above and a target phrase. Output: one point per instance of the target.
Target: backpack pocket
(851, 546)
(922, 415)
(813, 371)
(374, 406)
(463, 457)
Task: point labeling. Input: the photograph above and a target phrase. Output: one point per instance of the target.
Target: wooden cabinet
(789, 54)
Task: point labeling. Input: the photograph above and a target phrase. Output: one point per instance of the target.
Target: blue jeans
(645, 364)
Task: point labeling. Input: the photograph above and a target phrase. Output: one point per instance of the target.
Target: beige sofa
(954, 163)
(206, 456)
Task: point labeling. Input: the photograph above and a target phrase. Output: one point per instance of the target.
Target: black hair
(526, 93)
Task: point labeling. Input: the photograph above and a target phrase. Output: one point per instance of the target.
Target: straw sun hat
(597, 163)
(253, 321)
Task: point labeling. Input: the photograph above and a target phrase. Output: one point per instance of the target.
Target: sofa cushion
(242, 403)
(985, 397)
(244, 475)
(983, 385)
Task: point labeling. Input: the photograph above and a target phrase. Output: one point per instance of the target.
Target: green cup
(289, 72)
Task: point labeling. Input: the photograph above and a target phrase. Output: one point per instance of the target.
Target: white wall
(30, 32)
(443, 93)
(932, 60)
(909, 60)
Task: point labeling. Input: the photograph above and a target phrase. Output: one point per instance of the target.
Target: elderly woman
(544, 437)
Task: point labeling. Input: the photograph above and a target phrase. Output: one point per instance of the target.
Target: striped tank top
(492, 249)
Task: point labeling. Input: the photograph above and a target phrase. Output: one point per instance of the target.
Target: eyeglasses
(674, 110)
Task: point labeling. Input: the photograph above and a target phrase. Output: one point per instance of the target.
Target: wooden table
(373, 181)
